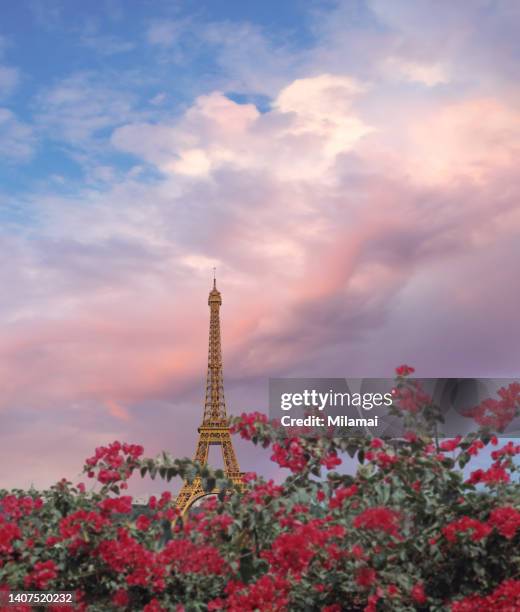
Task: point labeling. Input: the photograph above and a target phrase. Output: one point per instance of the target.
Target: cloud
(479, 32)
(78, 108)
(322, 106)
(308, 203)
(106, 45)
(252, 59)
(470, 44)
(3, 44)
(347, 243)
(158, 99)
(164, 33)
(17, 140)
(427, 74)
(9, 78)
(469, 138)
(9, 75)
(311, 122)
(241, 56)
(47, 17)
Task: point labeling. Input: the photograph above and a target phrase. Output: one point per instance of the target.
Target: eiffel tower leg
(201, 455)
(231, 467)
(188, 495)
(210, 436)
(191, 492)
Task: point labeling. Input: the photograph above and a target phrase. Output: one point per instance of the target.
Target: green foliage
(407, 531)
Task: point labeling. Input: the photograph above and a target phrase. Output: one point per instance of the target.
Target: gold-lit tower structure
(214, 430)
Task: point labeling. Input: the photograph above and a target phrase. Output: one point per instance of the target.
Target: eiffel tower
(214, 430)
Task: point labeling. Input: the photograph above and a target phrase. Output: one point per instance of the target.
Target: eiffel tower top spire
(215, 405)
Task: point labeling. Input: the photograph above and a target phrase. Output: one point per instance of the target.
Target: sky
(350, 168)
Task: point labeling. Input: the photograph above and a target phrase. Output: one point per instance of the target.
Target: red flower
(357, 552)
(166, 498)
(72, 524)
(143, 522)
(412, 399)
(404, 370)
(292, 552)
(248, 424)
(185, 557)
(290, 454)
(506, 520)
(378, 519)
(8, 533)
(450, 445)
(372, 603)
(121, 504)
(475, 447)
(268, 593)
(497, 414)
(42, 573)
(365, 577)
(479, 530)
(385, 461)
(120, 598)
(505, 597)
(509, 450)
(331, 461)
(51, 541)
(153, 606)
(264, 491)
(496, 474)
(418, 593)
(341, 494)
(107, 476)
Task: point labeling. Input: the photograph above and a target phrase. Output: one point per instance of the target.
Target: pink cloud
(117, 410)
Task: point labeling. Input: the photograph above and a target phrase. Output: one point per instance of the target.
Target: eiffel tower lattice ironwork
(214, 430)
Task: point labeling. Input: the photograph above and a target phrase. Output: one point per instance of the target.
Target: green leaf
(464, 459)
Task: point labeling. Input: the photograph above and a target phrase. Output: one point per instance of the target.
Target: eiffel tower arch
(214, 430)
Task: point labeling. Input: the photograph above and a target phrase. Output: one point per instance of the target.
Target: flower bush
(408, 531)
